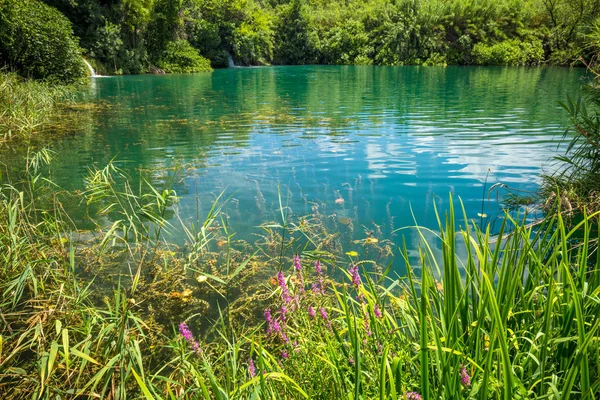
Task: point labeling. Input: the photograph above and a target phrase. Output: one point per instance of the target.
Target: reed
(124, 314)
(25, 105)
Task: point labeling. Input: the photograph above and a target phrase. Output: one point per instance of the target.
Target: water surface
(389, 141)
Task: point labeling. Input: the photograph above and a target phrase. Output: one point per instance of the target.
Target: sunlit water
(385, 142)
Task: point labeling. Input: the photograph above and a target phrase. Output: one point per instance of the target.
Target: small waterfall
(230, 62)
(90, 68)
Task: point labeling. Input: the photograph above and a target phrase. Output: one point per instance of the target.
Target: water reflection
(389, 141)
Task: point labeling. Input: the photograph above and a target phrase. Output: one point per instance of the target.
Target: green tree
(37, 41)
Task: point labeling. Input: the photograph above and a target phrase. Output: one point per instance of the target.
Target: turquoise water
(385, 142)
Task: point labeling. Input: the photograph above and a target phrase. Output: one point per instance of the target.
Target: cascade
(92, 72)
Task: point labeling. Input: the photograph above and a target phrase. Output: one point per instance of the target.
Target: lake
(371, 148)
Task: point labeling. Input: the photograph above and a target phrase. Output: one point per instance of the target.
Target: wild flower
(324, 314)
(316, 288)
(465, 379)
(311, 312)
(272, 324)
(377, 311)
(297, 263)
(285, 294)
(298, 267)
(413, 396)
(318, 268)
(285, 355)
(251, 368)
(189, 337)
(355, 276)
(325, 317)
(319, 286)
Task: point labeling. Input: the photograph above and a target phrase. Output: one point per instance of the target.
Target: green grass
(98, 316)
(25, 105)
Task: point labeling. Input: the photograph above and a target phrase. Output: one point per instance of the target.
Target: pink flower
(318, 267)
(465, 379)
(355, 276)
(189, 337)
(377, 311)
(297, 263)
(251, 368)
(325, 317)
(285, 294)
(311, 312)
(413, 396)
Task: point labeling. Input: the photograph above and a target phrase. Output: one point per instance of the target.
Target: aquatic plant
(26, 105)
(110, 316)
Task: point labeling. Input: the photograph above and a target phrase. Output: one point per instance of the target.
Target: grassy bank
(25, 105)
(119, 313)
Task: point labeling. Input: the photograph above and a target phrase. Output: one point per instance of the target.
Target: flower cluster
(465, 379)
(285, 293)
(298, 268)
(272, 324)
(251, 368)
(413, 396)
(189, 337)
(319, 286)
(355, 276)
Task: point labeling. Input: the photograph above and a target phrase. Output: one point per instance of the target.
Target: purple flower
(285, 355)
(377, 311)
(351, 360)
(297, 263)
(311, 312)
(285, 294)
(318, 267)
(413, 396)
(324, 314)
(325, 317)
(189, 337)
(185, 331)
(273, 324)
(355, 276)
(316, 289)
(251, 368)
(465, 379)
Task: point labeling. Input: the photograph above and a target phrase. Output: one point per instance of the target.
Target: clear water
(389, 141)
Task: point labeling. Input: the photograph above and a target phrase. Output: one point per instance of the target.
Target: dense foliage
(37, 41)
(128, 36)
(576, 179)
(181, 57)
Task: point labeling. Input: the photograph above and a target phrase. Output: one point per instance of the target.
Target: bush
(37, 41)
(181, 57)
(509, 52)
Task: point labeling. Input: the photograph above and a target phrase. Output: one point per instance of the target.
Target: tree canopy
(128, 36)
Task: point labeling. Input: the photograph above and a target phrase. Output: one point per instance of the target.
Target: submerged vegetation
(118, 312)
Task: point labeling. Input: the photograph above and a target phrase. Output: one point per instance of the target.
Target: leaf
(143, 386)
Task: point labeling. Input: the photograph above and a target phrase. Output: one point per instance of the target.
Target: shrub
(509, 52)
(181, 57)
(37, 41)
